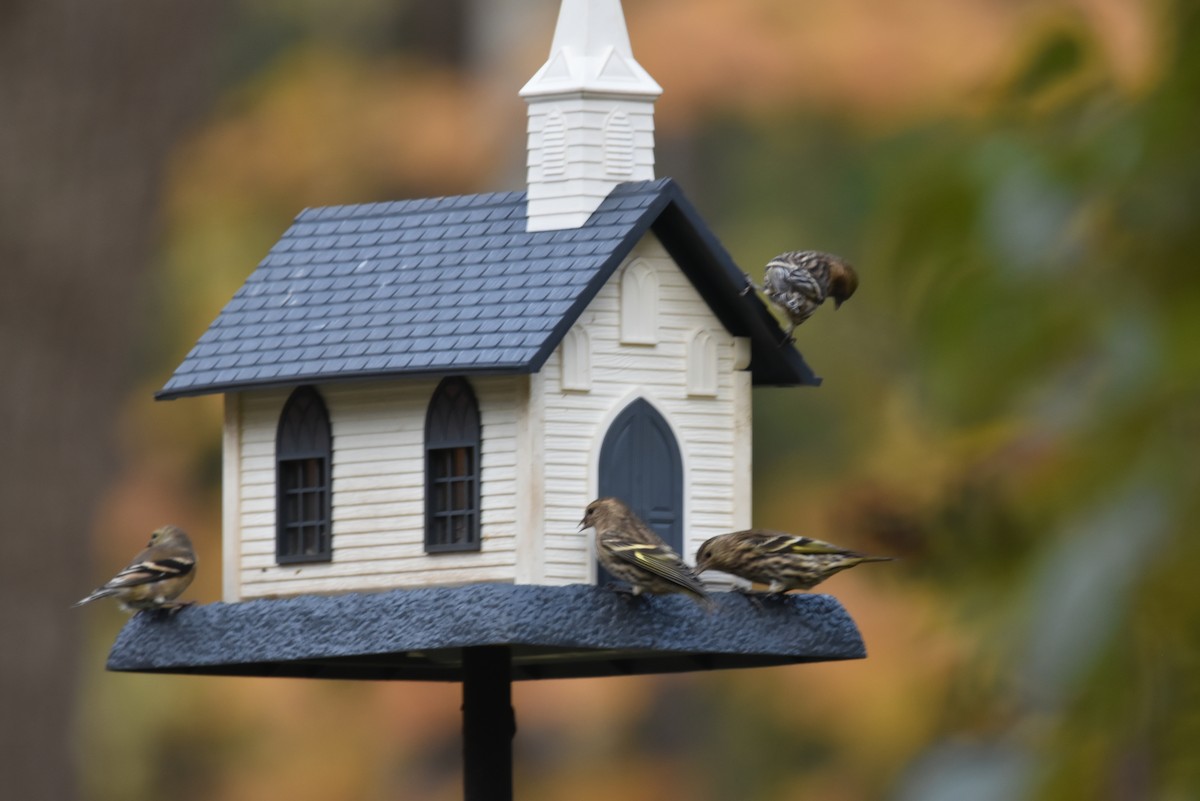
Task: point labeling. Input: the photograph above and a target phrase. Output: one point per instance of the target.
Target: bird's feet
(166, 611)
(749, 287)
(759, 600)
(754, 598)
(625, 592)
(177, 607)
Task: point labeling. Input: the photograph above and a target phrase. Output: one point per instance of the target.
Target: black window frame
(452, 491)
(304, 450)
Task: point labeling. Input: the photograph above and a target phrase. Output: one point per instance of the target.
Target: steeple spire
(591, 116)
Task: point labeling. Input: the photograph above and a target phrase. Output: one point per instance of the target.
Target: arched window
(702, 364)
(303, 455)
(639, 304)
(452, 469)
(554, 145)
(618, 146)
(577, 360)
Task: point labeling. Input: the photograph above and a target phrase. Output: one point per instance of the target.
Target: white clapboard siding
(539, 461)
(231, 498)
(712, 431)
(378, 491)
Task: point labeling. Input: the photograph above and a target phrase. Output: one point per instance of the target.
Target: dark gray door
(640, 464)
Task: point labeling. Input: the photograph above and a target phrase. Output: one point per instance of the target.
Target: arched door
(640, 464)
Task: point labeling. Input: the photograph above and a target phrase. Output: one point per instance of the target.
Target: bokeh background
(1011, 401)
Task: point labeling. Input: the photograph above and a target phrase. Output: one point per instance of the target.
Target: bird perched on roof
(781, 561)
(799, 281)
(155, 577)
(631, 551)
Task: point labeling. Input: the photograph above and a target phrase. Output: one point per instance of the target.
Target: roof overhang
(721, 284)
(631, 210)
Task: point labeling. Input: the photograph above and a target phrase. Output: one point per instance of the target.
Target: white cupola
(591, 117)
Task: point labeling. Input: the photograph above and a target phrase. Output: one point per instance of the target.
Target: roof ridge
(388, 208)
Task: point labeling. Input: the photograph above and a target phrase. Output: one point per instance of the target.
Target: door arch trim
(679, 444)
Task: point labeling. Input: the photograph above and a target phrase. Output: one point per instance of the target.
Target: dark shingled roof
(454, 285)
(553, 632)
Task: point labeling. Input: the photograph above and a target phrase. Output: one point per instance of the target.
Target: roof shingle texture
(430, 286)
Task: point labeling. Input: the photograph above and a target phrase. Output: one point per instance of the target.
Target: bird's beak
(837, 303)
(583, 524)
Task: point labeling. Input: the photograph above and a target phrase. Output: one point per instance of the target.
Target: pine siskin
(781, 561)
(156, 576)
(799, 281)
(632, 552)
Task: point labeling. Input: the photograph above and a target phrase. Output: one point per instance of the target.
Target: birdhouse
(428, 392)
(423, 396)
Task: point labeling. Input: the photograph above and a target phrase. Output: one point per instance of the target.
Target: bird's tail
(95, 596)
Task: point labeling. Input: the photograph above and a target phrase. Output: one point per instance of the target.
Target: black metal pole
(489, 723)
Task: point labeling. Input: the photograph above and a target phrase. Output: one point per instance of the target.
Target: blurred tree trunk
(92, 95)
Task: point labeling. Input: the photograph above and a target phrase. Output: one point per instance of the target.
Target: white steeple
(591, 116)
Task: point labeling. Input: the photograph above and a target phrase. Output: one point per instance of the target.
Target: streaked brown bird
(799, 281)
(155, 577)
(781, 561)
(632, 552)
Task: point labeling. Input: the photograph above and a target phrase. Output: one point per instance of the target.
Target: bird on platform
(799, 281)
(631, 551)
(155, 577)
(781, 561)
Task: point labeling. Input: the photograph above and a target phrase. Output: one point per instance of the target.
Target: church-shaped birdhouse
(429, 392)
